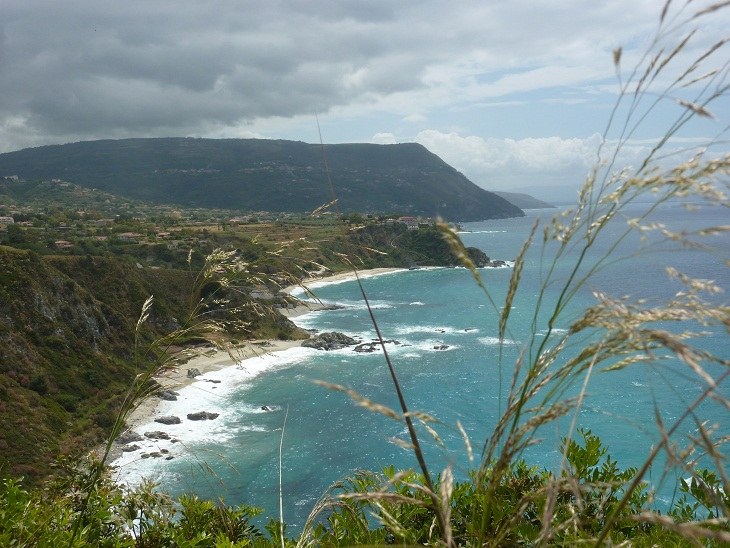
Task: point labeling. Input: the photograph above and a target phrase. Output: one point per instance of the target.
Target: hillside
(265, 175)
(523, 201)
(67, 316)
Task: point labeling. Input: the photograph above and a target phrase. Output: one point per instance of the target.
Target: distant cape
(266, 175)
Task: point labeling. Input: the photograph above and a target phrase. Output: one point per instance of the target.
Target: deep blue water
(327, 437)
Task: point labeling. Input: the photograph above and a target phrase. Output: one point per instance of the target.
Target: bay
(446, 351)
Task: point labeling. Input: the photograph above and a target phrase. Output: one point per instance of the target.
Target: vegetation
(591, 499)
(253, 175)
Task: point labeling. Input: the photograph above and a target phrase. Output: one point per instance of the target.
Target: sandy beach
(317, 281)
(210, 360)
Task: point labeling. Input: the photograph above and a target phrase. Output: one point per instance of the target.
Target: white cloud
(383, 139)
(509, 164)
(415, 118)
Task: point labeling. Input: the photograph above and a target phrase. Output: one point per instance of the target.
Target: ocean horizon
(442, 334)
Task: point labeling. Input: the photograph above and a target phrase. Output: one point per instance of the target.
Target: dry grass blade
(514, 281)
(361, 401)
(693, 531)
(712, 8)
(467, 442)
(694, 107)
(446, 490)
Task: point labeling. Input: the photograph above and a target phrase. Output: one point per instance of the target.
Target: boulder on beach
(157, 435)
(129, 437)
(329, 341)
(193, 372)
(168, 395)
(202, 416)
(168, 420)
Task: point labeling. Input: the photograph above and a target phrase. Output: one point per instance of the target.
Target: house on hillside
(7, 221)
(129, 236)
(410, 222)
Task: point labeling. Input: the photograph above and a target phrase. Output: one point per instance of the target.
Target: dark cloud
(97, 68)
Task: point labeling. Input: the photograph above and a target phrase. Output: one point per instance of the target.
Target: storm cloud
(88, 69)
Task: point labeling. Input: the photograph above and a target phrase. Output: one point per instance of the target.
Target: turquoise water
(327, 437)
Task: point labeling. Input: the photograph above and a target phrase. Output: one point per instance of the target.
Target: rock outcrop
(168, 420)
(329, 341)
(203, 416)
(157, 435)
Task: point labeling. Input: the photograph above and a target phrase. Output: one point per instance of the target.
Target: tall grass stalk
(614, 333)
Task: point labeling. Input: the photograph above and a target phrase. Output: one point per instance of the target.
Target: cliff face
(66, 348)
(258, 174)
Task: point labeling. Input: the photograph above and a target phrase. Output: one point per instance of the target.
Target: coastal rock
(157, 435)
(366, 348)
(193, 372)
(329, 341)
(168, 420)
(202, 416)
(168, 395)
(129, 437)
(441, 347)
(130, 448)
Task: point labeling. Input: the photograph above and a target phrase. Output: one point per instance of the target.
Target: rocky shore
(211, 360)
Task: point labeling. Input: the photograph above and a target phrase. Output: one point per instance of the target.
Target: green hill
(268, 175)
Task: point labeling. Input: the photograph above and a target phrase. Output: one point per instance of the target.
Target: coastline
(211, 361)
(340, 277)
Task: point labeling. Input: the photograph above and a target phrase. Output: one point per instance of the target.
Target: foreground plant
(548, 382)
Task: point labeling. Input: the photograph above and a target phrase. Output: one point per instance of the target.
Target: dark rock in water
(366, 348)
(168, 420)
(170, 457)
(329, 341)
(202, 416)
(213, 381)
(265, 408)
(129, 437)
(498, 263)
(155, 454)
(441, 347)
(157, 435)
(193, 372)
(168, 395)
(374, 345)
(130, 448)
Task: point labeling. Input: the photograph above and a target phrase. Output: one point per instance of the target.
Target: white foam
(440, 329)
(202, 395)
(494, 341)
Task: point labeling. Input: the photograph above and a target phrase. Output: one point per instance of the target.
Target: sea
(442, 332)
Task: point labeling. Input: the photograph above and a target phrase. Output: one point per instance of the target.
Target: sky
(516, 94)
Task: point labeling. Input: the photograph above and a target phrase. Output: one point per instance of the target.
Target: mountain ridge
(270, 175)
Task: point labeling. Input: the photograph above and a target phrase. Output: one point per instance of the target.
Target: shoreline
(212, 360)
(340, 277)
